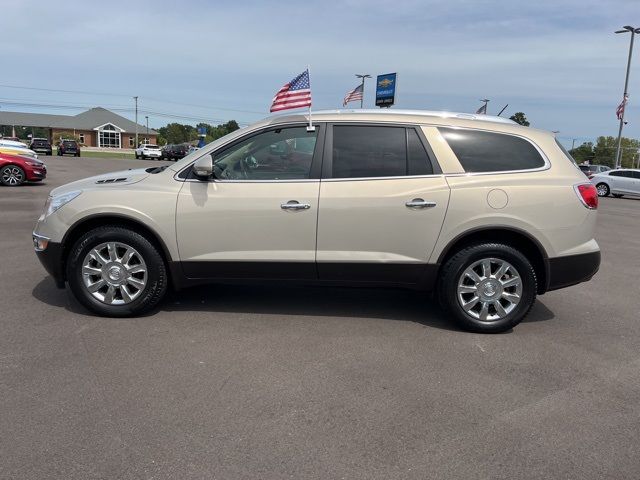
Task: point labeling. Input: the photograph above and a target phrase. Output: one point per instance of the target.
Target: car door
(636, 182)
(382, 204)
(623, 181)
(257, 218)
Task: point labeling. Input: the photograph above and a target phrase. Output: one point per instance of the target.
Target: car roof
(419, 117)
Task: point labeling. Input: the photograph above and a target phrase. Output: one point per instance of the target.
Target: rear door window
(362, 151)
(481, 151)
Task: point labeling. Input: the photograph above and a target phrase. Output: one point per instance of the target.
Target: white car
(624, 181)
(148, 151)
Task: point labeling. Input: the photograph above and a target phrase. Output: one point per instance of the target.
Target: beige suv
(484, 212)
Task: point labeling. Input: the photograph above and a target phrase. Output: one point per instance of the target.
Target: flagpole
(310, 128)
(625, 95)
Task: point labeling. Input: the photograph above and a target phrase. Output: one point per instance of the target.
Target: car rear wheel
(12, 176)
(602, 189)
(487, 288)
(116, 272)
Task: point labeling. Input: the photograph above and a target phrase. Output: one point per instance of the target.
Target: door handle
(420, 203)
(295, 205)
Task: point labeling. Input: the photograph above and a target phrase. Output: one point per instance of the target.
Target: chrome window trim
(398, 177)
(546, 166)
(216, 180)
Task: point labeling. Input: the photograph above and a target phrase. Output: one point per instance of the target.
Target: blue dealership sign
(386, 90)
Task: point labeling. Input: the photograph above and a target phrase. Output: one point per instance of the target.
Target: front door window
(278, 154)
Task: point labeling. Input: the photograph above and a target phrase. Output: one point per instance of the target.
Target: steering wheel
(247, 164)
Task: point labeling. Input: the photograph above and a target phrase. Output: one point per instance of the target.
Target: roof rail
(425, 113)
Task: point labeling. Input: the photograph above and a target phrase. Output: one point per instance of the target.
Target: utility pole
(625, 95)
(147, 117)
(573, 143)
(136, 100)
(362, 76)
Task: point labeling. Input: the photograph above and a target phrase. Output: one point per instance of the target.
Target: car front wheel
(116, 272)
(12, 176)
(487, 288)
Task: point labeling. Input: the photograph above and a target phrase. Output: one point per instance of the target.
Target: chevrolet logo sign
(385, 83)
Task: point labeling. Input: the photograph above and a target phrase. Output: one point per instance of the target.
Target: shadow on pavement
(378, 303)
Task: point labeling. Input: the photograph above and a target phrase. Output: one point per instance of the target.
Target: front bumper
(37, 174)
(50, 257)
(571, 270)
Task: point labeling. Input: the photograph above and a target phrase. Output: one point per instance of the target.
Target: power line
(117, 109)
(53, 90)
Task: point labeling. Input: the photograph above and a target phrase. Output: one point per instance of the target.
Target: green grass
(123, 155)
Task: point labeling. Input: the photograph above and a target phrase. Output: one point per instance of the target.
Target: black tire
(454, 269)
(617, 195)
(77, 154)
(12, 176)
(603, 189)
(157, 279)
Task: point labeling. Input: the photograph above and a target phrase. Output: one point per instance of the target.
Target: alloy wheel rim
(114, 273)
(12, 176)
(489, 289)
(602, 190)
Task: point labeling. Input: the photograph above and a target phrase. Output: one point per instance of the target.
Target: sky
(558, 61)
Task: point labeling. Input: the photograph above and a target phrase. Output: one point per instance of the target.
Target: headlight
(34, 164)
(57, 202)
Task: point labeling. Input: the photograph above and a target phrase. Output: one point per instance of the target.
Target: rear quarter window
(480, 151)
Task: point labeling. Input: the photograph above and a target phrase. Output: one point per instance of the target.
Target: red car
(15, 170)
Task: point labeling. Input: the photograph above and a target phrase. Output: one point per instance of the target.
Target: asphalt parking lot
(259, 382)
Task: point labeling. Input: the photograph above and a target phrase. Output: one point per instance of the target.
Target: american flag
(295, 94)
(620, 109)
(353, 95)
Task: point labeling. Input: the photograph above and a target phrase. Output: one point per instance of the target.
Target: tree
(604, 152)
(583, 153)
(179, 133)
(521, 118)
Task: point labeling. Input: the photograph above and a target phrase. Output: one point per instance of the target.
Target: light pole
(147, 118)
(136, 100)
(362, 76)
(626, 28)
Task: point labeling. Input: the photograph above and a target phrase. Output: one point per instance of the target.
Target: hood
(124, 177)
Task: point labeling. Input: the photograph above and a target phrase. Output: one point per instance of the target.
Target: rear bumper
(51, 260)
(572, 269)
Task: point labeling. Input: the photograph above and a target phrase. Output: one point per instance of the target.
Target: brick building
(97, 127)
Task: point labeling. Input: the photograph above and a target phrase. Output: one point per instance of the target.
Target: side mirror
(203, 167)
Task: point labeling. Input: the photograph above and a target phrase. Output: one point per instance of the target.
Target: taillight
(587, 194)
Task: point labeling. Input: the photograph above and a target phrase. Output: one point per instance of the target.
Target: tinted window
(635, 174)
(280, 154)
(480, 151)
(622, 173)
(367, 151)
(418, 162)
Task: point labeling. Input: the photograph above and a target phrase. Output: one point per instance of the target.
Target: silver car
(619, 182)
